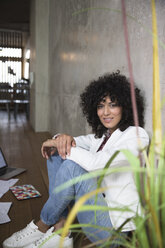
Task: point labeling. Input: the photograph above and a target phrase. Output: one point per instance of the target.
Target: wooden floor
(21, 146)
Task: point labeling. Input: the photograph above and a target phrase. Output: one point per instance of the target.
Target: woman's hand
(48, 148)
(62, 143)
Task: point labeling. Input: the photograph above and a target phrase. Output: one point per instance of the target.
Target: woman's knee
(71, 169)
(54, 160)
(66, 166)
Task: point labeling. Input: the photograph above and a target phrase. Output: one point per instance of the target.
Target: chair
(6, 96)
(21, 96)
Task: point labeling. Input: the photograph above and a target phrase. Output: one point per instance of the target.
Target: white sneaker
(51, 240)
(23, 237)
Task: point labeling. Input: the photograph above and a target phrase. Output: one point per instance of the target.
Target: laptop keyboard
(8, 169)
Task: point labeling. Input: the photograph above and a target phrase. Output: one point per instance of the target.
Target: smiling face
(109, 113)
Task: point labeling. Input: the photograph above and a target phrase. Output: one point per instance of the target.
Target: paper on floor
(4, 209)
(5, 185)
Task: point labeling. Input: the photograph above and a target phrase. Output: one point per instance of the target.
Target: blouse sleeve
(84, 141)
(94, 161)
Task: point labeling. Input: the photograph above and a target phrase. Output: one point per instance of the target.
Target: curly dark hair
(117, 87)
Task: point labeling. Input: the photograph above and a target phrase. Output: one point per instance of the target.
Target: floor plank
(21, 146)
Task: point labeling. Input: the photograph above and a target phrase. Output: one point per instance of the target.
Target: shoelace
(21, 234)
(44, 238)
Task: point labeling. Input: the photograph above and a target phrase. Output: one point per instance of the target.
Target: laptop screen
(2, 160)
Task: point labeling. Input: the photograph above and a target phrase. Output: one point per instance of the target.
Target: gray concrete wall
(87, 44)
(39, 65)
(32, 62)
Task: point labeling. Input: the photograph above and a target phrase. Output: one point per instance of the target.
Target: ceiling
(15, 14)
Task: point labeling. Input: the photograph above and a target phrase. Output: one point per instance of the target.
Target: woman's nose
(106, 110)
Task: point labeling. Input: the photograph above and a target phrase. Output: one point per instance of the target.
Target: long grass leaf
(74, 211)
(157, 128)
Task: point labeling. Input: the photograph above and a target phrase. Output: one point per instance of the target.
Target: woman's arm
(62, 143)
(84, 141)
(90, 161)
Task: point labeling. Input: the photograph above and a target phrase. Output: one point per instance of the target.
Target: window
(10, 65)
(10, 57)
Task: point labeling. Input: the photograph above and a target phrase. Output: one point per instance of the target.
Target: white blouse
(121, 190)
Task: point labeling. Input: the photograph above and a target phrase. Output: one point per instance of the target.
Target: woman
(106, 103)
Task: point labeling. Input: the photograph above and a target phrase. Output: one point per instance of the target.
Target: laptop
(7, 172)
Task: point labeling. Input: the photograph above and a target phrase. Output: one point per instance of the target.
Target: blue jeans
(61, 171)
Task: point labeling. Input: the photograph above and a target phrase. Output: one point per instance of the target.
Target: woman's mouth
(107, 120)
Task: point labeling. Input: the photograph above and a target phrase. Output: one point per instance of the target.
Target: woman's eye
(113, 105)
(99, 106)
